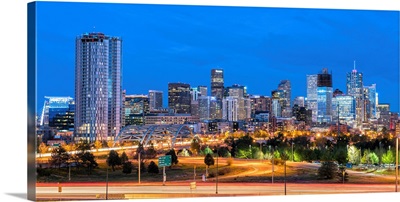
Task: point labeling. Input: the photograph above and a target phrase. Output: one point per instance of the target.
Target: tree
(230, 142)
(151, 153)
(184, 152)
(243, 142)
(388, 157)
(354, 155)
(328, 170)
(110, 143)
(127, 167)
(207, 150)
(153, 168)
(88, 161)
(257, 153)
(98, 145)
(174, 158)
(113, 159)
(208, 160)
(244, 153)
(43, 148)
(195, 146)
(70, 147)
(83, 146)
(124, 157)
(340, 154)
(374, 158)
(59, 156)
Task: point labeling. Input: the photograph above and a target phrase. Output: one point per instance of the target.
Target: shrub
(127, 167)
(224, 171)
(43, 172)
(153, 168)
(211, 174)
(229, 161)
(328, 170)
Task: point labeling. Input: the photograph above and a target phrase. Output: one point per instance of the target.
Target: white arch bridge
(146, 134)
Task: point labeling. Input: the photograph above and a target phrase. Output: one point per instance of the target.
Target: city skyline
(159, 49)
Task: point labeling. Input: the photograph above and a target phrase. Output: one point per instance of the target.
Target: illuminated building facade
(98, 86)
(155, 99)
(354, 84)
(179, 98)
(58, 113)
(324, 97)
(136, 108)
(312, 96)
(217, 88)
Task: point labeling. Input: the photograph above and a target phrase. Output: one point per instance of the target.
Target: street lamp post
(285, 177)
(139, 167)
(107, 185)
(272, 165)
(397, 160)
(216, 181)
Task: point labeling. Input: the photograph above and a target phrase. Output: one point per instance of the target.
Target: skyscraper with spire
(354, 84)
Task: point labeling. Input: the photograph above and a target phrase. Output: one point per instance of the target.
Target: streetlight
(397, 159)
(139, 167)
(272, 173)
(107, 185)
(216, 181)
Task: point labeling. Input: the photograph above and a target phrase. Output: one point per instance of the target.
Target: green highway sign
(164, 161)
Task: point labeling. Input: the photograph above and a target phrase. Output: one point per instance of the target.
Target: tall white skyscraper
(230, 108)
(98, 87)
(312, 96)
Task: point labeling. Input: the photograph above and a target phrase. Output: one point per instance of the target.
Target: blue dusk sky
(256, 47)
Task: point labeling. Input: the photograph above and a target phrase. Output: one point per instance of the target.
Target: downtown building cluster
(101, 108)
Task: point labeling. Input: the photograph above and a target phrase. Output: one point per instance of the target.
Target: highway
(182, 189)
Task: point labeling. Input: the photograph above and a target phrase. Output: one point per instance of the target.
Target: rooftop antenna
(354, 65)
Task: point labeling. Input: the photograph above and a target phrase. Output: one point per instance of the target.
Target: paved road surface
(182, 189)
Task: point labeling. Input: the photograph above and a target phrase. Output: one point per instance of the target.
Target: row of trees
(82, 158)
(114, 160)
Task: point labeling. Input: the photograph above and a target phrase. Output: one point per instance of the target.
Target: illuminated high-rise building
(345, 111)
(155, 99)
(136, 108)
(370, 101)
(217, 89)
(286, 88)
(58, 113)
(207, 107)
(260, 104)
(179, 98)
(202, 90)
(312, 96)
(230, 109)
(324, 97)
(299, 101)
(217, 83)
(98, 86)
(354, 84)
